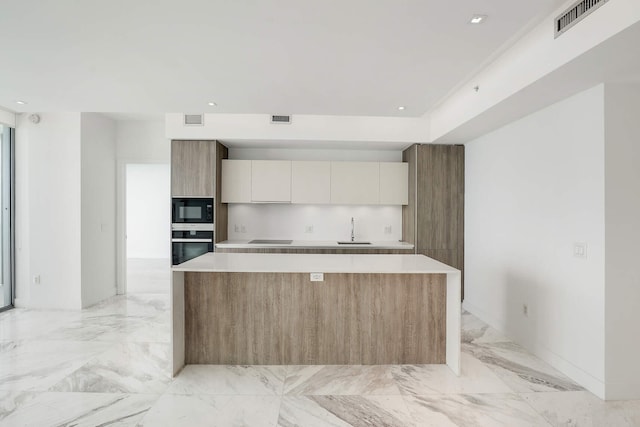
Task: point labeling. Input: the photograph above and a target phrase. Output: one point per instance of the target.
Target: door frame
(121, 218)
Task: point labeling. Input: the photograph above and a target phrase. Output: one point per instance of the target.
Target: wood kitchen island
(315, 309)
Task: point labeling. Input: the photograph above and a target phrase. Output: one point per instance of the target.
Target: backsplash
(314, 222)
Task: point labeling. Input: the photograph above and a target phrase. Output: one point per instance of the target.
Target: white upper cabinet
(236, 181)
(310, 182)
(355, 183)
(271, 180)
(394, 183)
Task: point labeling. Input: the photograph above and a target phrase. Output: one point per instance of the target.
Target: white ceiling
(329, 57)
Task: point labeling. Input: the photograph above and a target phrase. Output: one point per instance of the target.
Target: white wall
(622, 167)
(48, 213)
(148, 210)
(533, 188)
(98, 180)
(142, 141)
(283, 221)
(290, 221)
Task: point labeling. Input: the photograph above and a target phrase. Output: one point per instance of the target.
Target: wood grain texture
(409, 211)
(233, 318)
(440, 204)
(315, 251)
(284, 318)
(222, 212)
(192, 168)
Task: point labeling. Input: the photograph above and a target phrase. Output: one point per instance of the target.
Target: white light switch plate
(317, 277)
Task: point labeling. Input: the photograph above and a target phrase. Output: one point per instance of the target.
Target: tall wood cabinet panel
(440, 203)
(434, 218)
(221, 214)
(192, 168)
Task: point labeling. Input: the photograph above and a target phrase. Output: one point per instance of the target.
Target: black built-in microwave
(192, 210)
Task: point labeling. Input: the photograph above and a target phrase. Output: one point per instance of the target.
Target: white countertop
(314, 244)
(314, 263)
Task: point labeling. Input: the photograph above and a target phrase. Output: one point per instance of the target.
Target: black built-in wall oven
(191, 228)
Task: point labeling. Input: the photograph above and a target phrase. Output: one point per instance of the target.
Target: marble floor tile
(141, 305)
(81, 410)
(22, 324)
(37, 365)
(473, 410)
(583, 409)
(340, 380)
(519, 369)
(125, 368)
(476, 331)
(229, 380)
(173, 410)
(11, 400)
(344, 411)
(475, 377)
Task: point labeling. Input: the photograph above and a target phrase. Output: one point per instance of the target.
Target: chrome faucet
(353, 237)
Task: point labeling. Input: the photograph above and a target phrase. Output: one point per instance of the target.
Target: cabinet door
(440, 203)
(394, 183)
(310, 182)
(271, 180)
(236, 181)
(192, 168)
(355, 183)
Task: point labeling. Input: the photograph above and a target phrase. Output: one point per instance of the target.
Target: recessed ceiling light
(212, 104)
(401, 108)
(21, 102)
(477, 19)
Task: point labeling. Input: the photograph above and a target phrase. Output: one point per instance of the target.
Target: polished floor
(108, 366)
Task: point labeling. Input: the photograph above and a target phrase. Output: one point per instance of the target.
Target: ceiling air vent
(281, 119)
(576, 13)
(194, 119)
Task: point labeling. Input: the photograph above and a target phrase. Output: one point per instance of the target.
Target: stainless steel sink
(354, 243)
(270, 242)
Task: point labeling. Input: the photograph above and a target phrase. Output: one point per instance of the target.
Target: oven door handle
(192, 240)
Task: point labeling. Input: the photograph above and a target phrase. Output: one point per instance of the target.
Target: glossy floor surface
(109, 366)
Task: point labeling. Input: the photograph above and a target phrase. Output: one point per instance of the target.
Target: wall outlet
(308, 229)
(243, 229)
(525, 310)
(317, 277)
(36, 279)
(236, 228)
(387, 229)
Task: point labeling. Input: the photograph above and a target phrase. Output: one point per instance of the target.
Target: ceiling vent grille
(576, 13)
(281, 119)
(194, 119)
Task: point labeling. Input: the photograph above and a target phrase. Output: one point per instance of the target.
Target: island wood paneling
(192, 168)
(284, 318)
(233, 318)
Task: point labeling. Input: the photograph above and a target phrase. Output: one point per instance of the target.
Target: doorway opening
(148, 222)
(6, 217)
